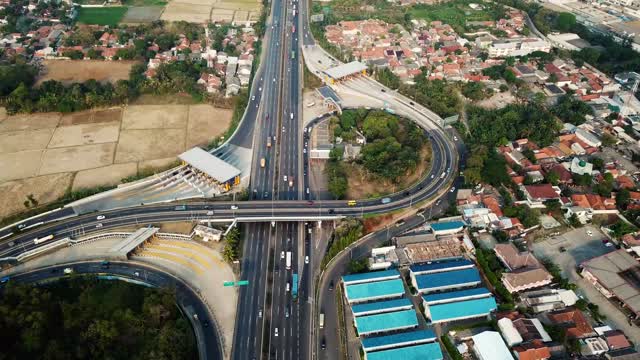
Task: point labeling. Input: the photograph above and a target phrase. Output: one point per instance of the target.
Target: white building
(207, 233)
(519, 47)
(488, 345)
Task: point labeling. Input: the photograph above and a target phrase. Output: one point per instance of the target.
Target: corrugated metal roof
(374, 289)
(461, 309)
(490, 345)
(328, 93)
(452, 296)
(429, 351)
(340, 71)
(365, 277)
(400, 338)
(381, 305)
(216, 168)
(436, 266)
(386, 322)
(449, 278)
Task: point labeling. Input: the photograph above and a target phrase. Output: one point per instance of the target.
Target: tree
(622, 198)
(358, 266)
(565, 21)
(552, 178)
(387, 78)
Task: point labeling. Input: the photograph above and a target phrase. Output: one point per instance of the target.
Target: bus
(321, 320)
(351, 203)
(288, 260)
(43, 239)
(294, 287)
(180, 208)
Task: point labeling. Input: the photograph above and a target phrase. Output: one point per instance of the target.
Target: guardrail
(42, 249)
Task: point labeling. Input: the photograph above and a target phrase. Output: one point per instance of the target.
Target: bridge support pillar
(319, 224)
(230, 227)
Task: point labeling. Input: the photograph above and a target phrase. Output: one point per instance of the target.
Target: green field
(102, 16)
(455, 13)
(144, 2)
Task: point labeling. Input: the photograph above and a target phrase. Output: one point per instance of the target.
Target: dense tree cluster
(11, 76)
(387, 78)
(439, 96)
(348, 231)
(572, 110)
(514, 121)
(231, 251)
(92, 319)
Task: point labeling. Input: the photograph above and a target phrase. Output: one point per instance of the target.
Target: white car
(281, 255)
(234, 207)
(100, 217)
(99, 225)
(288, 287)
(260, 313)
(210, 212)
(455, 138)
(275, 332)
(253, 97)
(589, 232)
(284, 178)
(306, 259)
(452, 189)
(304, 150)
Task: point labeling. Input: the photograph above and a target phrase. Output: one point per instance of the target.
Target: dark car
(411, 102)
(563, 249)
(331, 286)
(331, 211)
(383, 90)
(205, 324)
(323, 344)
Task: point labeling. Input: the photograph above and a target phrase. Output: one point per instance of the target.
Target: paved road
(208, 342)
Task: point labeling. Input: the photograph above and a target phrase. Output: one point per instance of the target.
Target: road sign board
(228, 283)
(242, 283)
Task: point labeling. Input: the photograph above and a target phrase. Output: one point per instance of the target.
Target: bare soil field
(69, 71)
(45, 188)
(363, 186)
(212, 10)
(39, 152)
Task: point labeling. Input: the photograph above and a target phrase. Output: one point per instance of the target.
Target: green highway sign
(242, 282)
(228, 283)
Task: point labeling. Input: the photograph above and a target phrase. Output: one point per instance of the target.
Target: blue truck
(294, 287)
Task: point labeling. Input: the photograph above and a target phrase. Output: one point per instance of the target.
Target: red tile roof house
(538, 194)
(526, 272)
(535, 350)
(616, 340)
(573, 321)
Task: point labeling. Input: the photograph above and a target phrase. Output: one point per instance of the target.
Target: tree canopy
(86, 318)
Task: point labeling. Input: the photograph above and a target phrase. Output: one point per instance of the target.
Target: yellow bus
(351, 203)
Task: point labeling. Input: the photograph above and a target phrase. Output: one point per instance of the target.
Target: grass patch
(102, 16)
(144, 2)
(455, 13)
(311, 81)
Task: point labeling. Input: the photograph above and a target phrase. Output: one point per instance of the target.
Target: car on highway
(205, 324)
(411, 103)
(253, 98)
(306, 259)
(100, 217)
(452, 189)
(136, 274)
(383, 90)
(210, 212)
(400, 223)
(438, 202)
(589, 232)
(433, 175)
(288, 287)
(275, 332)
(22, 226)
(266, 194)
(98, 225)
(284, 178)
(323, 344)
(260, 313)
(455, 138)
(281, 255)
(234, 207)
(310, 202)
(286, 312)
(331, 285)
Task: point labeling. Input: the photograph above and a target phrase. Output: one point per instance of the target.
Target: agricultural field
(212, 10)
(46, 154)
(69, 71)
(456, 13)
(111, 15)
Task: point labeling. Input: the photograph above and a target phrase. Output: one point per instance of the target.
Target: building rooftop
(386, 322)
(344, 70)
(489, 345)
(399, 339)
(429, 351)
(513, 258)
(377, 289)
(381, 306)
(449, 278)
(461, 309)
(132, 241)
(327, 93)
(619, 273)
(440, 266)
(574, 321)
(453, 296)
(371, 276)
(214, 167)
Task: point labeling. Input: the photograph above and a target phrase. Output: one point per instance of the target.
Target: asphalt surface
(209, 346)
